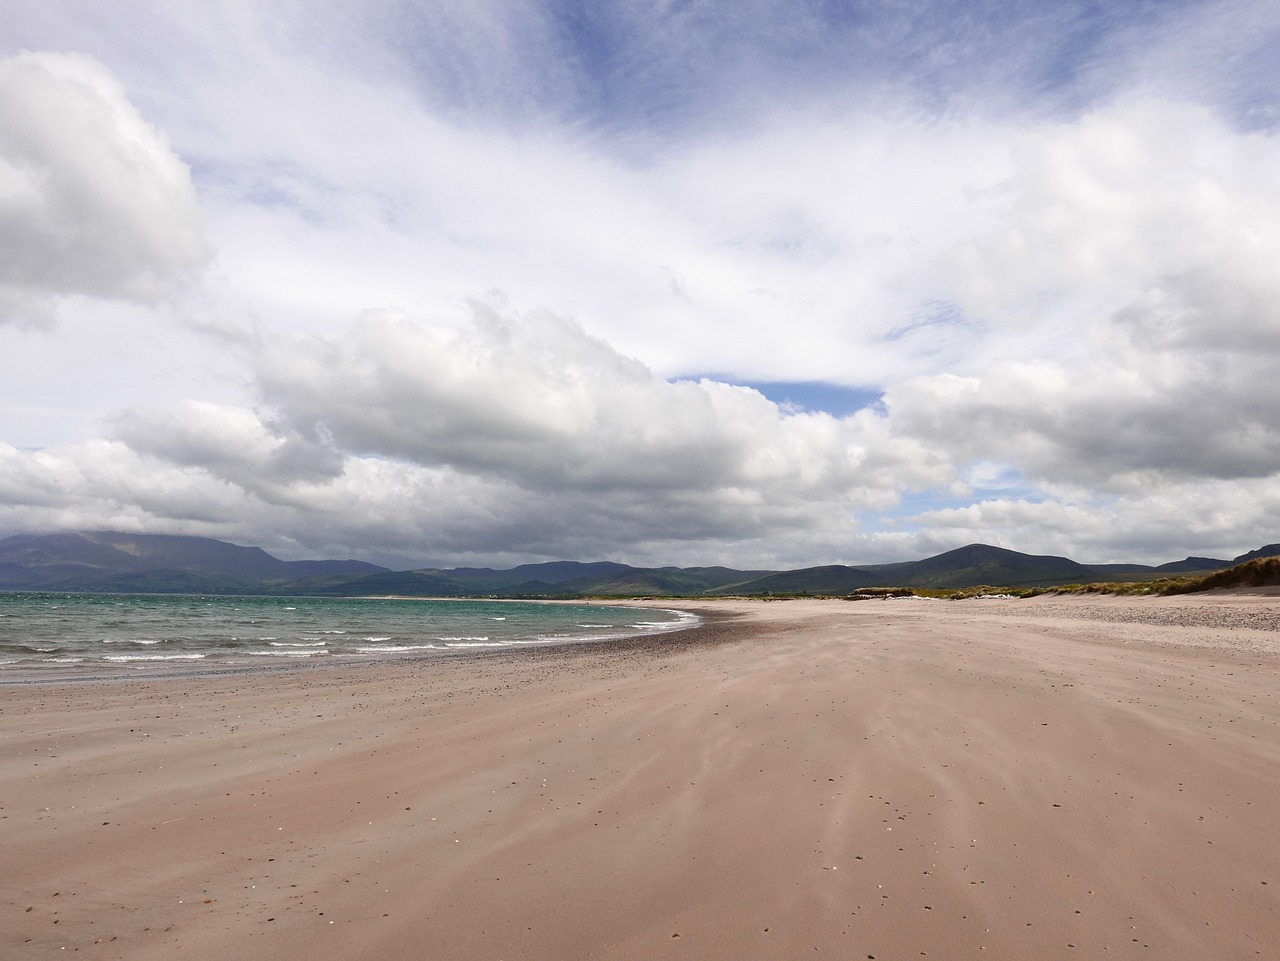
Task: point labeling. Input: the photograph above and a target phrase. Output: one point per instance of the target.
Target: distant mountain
(140, 563)
(385, 583)
(1271, 550)
(829, 579)
(114, 562)
(1119, 570)
(1194, 565)
(534, 578)
(979, 564)
(971, 566)
(602, 577)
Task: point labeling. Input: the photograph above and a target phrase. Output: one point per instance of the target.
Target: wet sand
(883, 779)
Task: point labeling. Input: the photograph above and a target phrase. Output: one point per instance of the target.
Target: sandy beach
(995, 779)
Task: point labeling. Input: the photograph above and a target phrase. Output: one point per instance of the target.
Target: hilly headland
(116, 562)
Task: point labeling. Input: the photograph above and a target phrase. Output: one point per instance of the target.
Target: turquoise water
(61, 636)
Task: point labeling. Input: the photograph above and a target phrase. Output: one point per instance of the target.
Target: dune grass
(1259, 572)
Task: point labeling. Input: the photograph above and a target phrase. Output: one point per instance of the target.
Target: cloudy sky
(765, 283)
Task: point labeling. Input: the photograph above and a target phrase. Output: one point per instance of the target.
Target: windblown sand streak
(890, 779)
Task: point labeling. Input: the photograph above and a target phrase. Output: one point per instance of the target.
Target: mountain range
(114, 562)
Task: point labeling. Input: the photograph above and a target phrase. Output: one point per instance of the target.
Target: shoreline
(997, 779)
(38, 675)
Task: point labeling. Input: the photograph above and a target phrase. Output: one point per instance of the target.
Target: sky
(762, 283)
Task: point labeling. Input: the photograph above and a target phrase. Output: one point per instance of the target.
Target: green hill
(111, 561)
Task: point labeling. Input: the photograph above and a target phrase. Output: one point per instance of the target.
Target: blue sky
(759, 284)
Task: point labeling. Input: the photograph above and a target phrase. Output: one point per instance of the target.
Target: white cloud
(859, 251)
(537, 400)
(92, 200)
(512, 435)
(1130, 275)
(103, 484)
(230, 443)
(1096, 212)
(1067, 291)
(1155, 523)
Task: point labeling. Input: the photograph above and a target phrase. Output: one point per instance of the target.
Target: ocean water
(67, 636)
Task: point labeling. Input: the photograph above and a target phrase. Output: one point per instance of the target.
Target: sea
(58, 637)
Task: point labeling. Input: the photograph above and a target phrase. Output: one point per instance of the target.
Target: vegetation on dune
(1259, 572)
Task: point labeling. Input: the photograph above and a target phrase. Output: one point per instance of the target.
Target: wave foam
(396, 648)
(285, 653)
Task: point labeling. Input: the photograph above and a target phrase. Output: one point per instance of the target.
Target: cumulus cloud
(231, 443)
(858, 251)
(1105, 311)
(1094, 213)
(535, 399)
(1129, 273)
(93, 201)
(516, 437)
(511, 435)
(1154, 523)
(104, 484)
(1053, 263)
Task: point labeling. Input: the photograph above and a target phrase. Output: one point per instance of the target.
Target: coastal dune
(996, 779)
